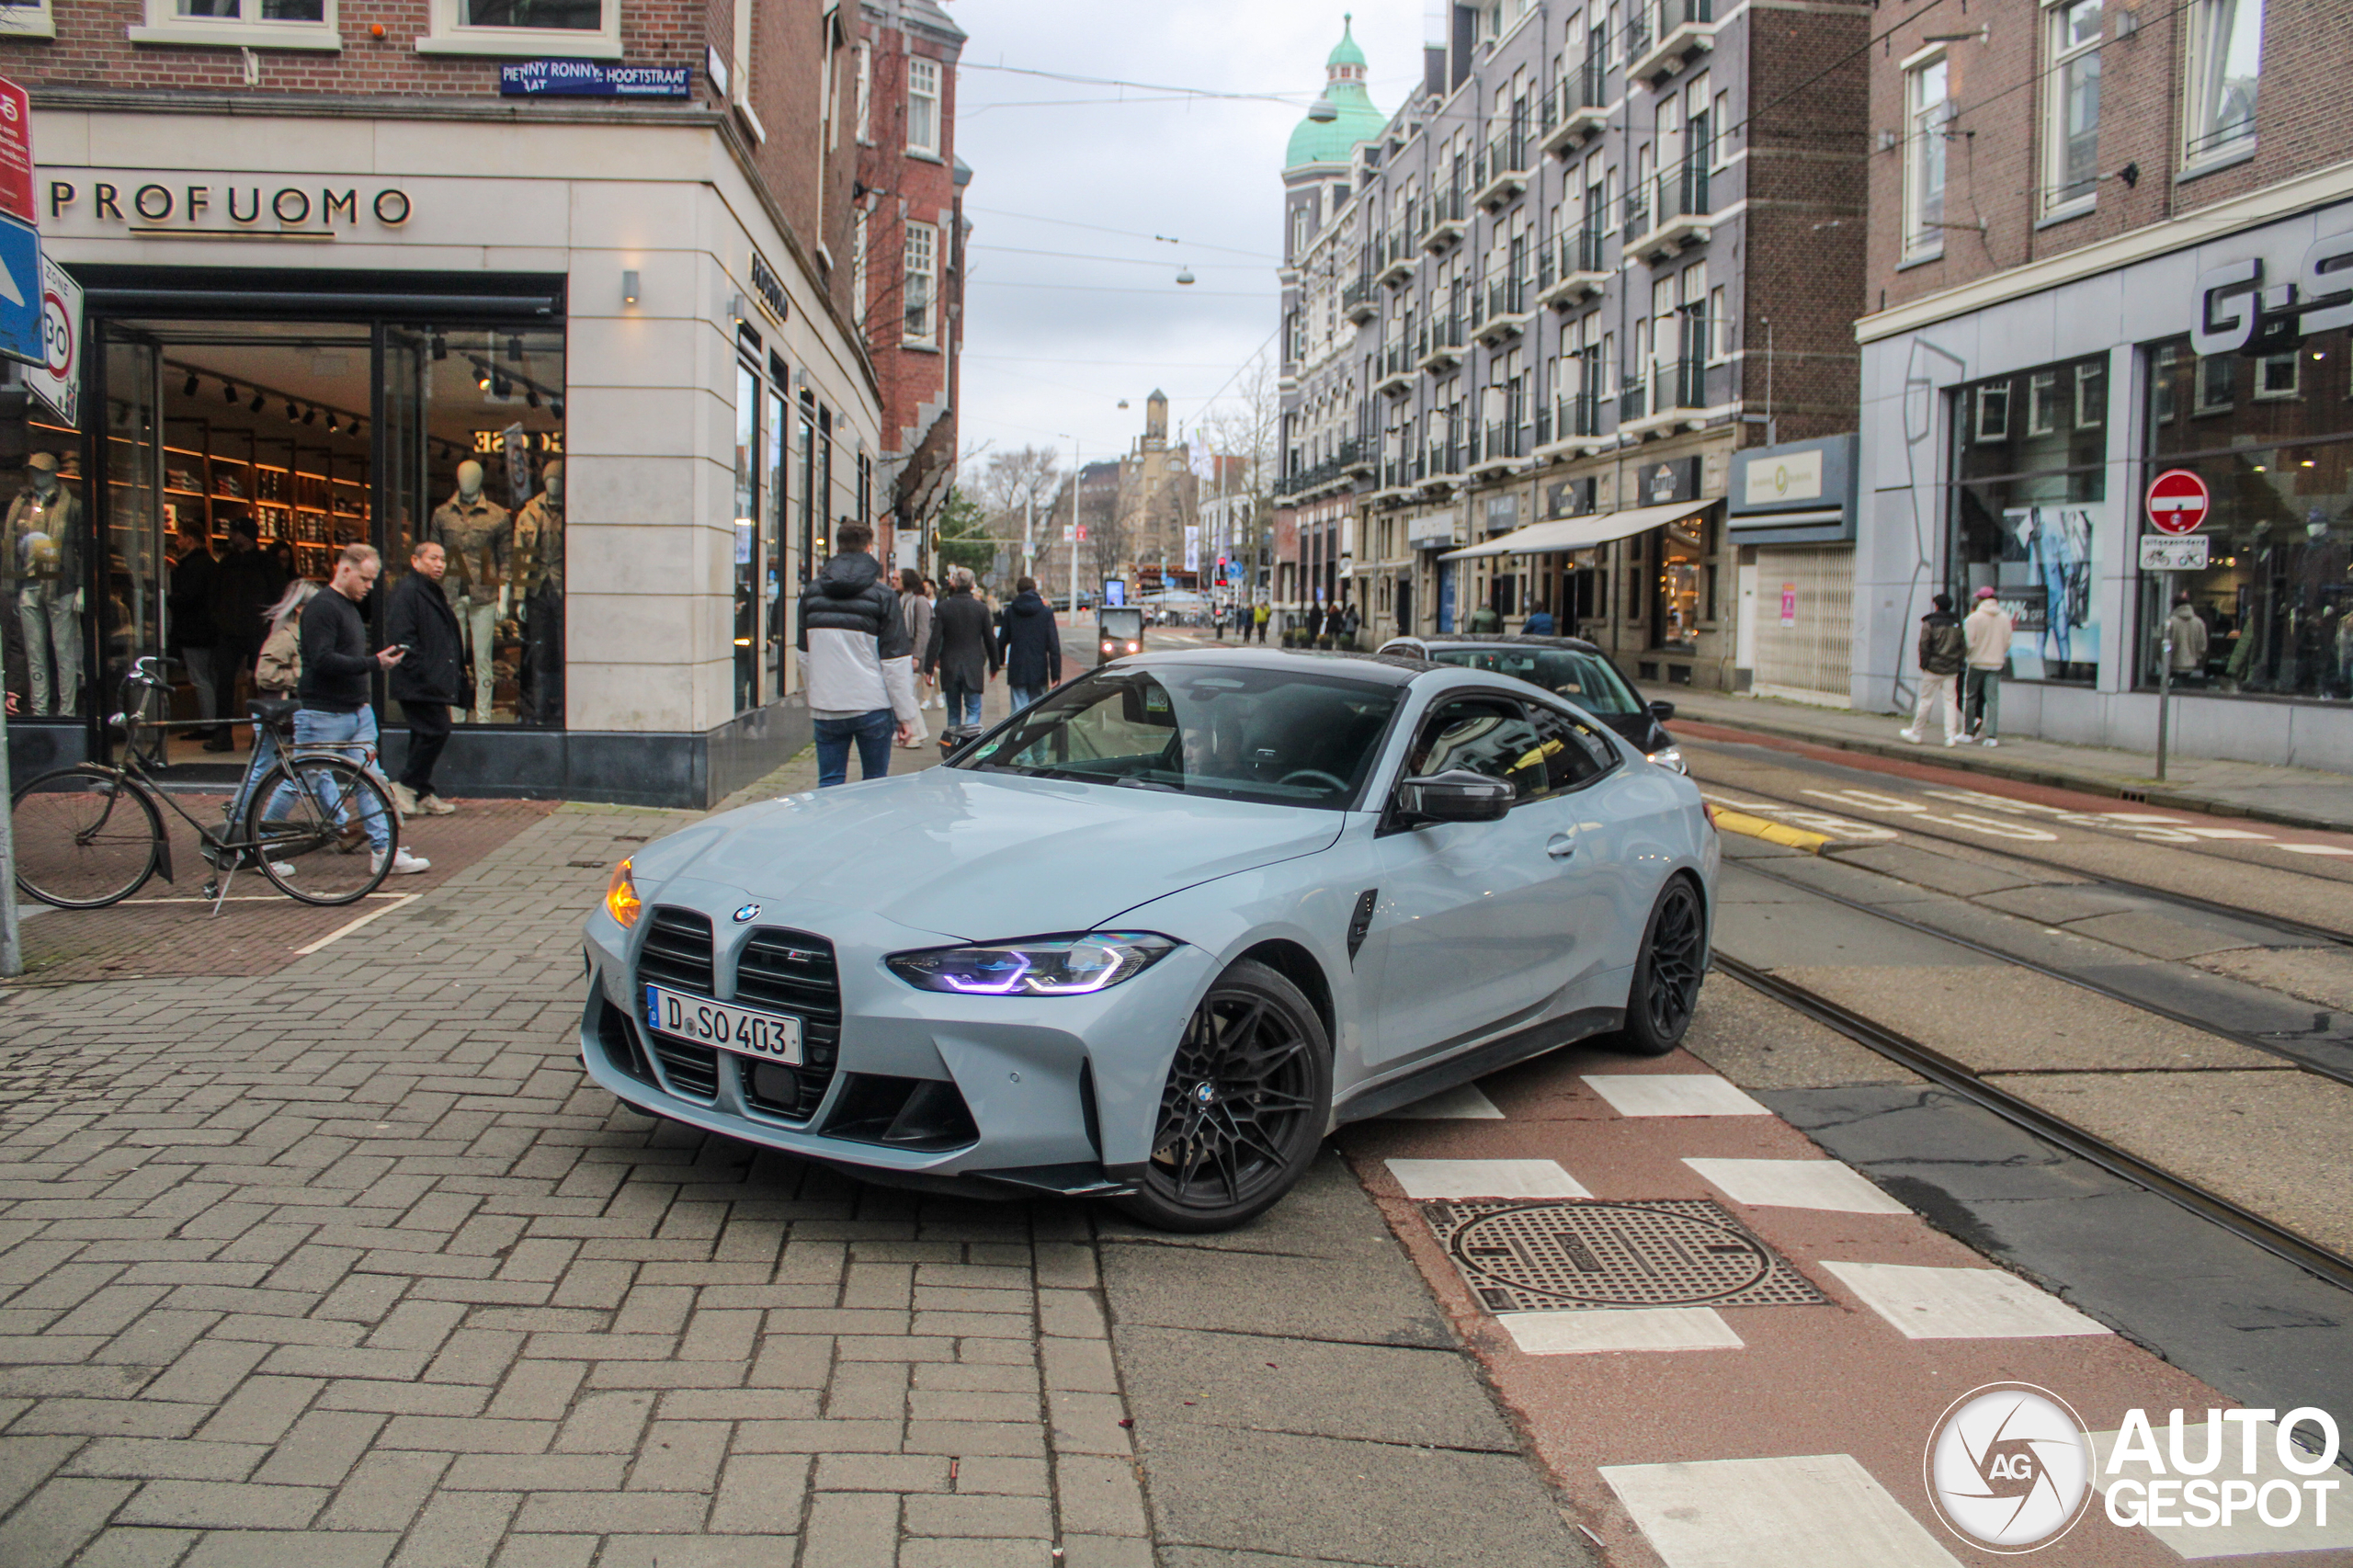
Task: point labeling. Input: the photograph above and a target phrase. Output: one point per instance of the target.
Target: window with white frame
(2071, 103)
(1719, 324)
(919, 289)
(857, 266)
(865, 87)
(26, 19)
(2225, 53)
(923, 105)
(577, 30)
(1927, 108)
(228, 24)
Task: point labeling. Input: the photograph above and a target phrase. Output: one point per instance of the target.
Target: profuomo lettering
(154, 205)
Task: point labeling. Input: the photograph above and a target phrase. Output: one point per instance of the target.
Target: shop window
(1681, 581)
(26, 19)
(584, 29)
(2071, 104)
(2028, 511)
(747, 527)
(2274, 608)
(50, 552)
(2225, 56)
(239, 24)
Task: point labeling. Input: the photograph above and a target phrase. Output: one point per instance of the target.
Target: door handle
(1560, 846)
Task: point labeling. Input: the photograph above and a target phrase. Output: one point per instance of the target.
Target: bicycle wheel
(85, 838)
(307, 824)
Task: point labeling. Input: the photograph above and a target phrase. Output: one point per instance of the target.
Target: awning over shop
(1581, 533)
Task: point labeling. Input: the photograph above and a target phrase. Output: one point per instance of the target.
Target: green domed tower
(1344, 74)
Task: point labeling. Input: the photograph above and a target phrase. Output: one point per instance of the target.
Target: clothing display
(536, 575)
(478, 535)
(44, 566)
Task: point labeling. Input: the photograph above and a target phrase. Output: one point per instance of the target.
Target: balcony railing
(1443, 459)
(1440, 343)
(1657, 43)
(1394, 255)
(1502, 305)
(1506, 440)
(1678, 212)
(1633, 402)
(1569, 267)
(1358, 301)
(1501, 171)
(1680, 383)
(1575, 107)
(1442, 218)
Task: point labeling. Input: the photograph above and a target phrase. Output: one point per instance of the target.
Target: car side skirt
(1380, 1098)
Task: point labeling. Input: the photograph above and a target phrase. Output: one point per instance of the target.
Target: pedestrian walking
(245, 584)
(850, 631)
(419, 621)
(1539, 622)
(337, 709)
(1943, 650)
(187, 604)
(915, 612)
(1484, 619)
(1033, 647)
(1987, 632)
(2189, 643)
(277, 671)
(1259, 619)
(963, 650)
(1350, 623)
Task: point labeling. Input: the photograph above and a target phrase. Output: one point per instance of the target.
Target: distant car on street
(1155, 937)
(1566, 667)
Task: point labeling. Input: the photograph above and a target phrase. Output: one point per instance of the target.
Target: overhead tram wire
(1123, 261)
(1130, 234)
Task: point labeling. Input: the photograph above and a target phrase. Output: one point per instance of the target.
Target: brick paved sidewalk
(346, 1264)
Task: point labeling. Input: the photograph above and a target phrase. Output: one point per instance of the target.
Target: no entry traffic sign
(2177, 501)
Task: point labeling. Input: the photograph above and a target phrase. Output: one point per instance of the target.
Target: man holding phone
(426, 682)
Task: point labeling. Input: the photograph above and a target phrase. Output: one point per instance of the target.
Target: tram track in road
(1968, 1084)
(1909, 823)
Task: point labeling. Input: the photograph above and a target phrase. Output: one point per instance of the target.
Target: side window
(1575, 753)
(1485, 735)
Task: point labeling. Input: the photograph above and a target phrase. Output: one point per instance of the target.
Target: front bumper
(1062, 1092)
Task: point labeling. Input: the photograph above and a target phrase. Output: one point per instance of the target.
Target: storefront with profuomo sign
(319, 330)
(2010, 432)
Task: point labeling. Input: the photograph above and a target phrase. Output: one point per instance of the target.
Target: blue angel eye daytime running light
(1039, 966)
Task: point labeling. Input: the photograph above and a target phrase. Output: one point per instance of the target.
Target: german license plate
(748, 1031)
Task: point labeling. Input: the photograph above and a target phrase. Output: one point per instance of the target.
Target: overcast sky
(1052, 342)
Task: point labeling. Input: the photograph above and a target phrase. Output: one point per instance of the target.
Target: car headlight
(1670, 757)
(1043, 966)
(620, 896)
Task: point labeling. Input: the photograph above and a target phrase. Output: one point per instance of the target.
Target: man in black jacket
(419, 621)
(188, 609)
(1033, 648)
(245, 583)
(963, 650)
(336, 709)
(1944, 648)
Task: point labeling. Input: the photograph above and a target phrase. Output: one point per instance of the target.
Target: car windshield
(1588, 680)
(1275, 735)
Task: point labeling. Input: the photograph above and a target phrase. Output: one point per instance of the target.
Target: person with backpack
(1943, 650)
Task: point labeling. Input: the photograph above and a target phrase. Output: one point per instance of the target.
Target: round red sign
(2177, 501)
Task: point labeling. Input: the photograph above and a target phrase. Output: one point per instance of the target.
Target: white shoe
(403, 863)
(1989, 740)
(281, 867)
(1956, 740)
(435, 806)
(1912, 736)
(404, 799)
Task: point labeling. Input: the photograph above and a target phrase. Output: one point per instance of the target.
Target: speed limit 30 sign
(2179, 502)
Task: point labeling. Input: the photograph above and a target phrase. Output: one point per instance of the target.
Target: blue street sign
(593, 79)
(20, 328)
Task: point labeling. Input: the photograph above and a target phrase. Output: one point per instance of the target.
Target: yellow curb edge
(1771, 831)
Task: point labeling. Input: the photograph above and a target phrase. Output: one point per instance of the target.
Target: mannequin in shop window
(44, 563)
(537, 585)
(478, 535)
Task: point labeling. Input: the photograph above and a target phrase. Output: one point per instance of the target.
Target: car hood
(979, 856)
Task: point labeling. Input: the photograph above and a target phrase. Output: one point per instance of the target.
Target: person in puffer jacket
(853, 641)
(1943, 650)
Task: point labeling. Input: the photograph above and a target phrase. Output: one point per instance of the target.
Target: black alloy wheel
(1674, 961)
(1244, 1107)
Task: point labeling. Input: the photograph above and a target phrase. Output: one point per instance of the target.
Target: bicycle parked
(90, 835)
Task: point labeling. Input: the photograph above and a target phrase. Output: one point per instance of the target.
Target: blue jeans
(872, 731)
(963, 702)
(1023, 696)
(347, 734)
(265, 754)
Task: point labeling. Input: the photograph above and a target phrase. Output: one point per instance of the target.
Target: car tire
(1242, 1113)
(1673, 961)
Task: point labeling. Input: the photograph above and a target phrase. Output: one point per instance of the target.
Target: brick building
(1538, 321)
(590, 322)
(2108, 240)
(908, 239)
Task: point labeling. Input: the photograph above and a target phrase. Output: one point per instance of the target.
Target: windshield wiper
(1134, 781)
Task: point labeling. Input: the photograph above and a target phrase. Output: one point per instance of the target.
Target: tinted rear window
(1586, 679)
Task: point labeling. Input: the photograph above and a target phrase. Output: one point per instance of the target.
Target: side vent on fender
(1361, 922)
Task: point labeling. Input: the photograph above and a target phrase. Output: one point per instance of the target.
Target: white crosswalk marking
(1797, 1184)
(1486, 1178)
(1671, 1093)
(1809, 1511)
(1607, 1330)
(2316, 849)
(1959, 1303)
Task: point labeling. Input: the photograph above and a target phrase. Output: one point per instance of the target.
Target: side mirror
(1662, 711)
(1456, 795)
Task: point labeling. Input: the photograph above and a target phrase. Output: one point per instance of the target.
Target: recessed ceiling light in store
(228, 392)
(255, 407)
(312, 419)
(293, 414)
(190, 389)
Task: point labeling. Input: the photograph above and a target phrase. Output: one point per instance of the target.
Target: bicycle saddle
(273, 709)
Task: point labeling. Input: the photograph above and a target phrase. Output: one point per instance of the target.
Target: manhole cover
(1566, 1256)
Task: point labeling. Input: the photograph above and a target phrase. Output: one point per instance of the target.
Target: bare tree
(1247, 424)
